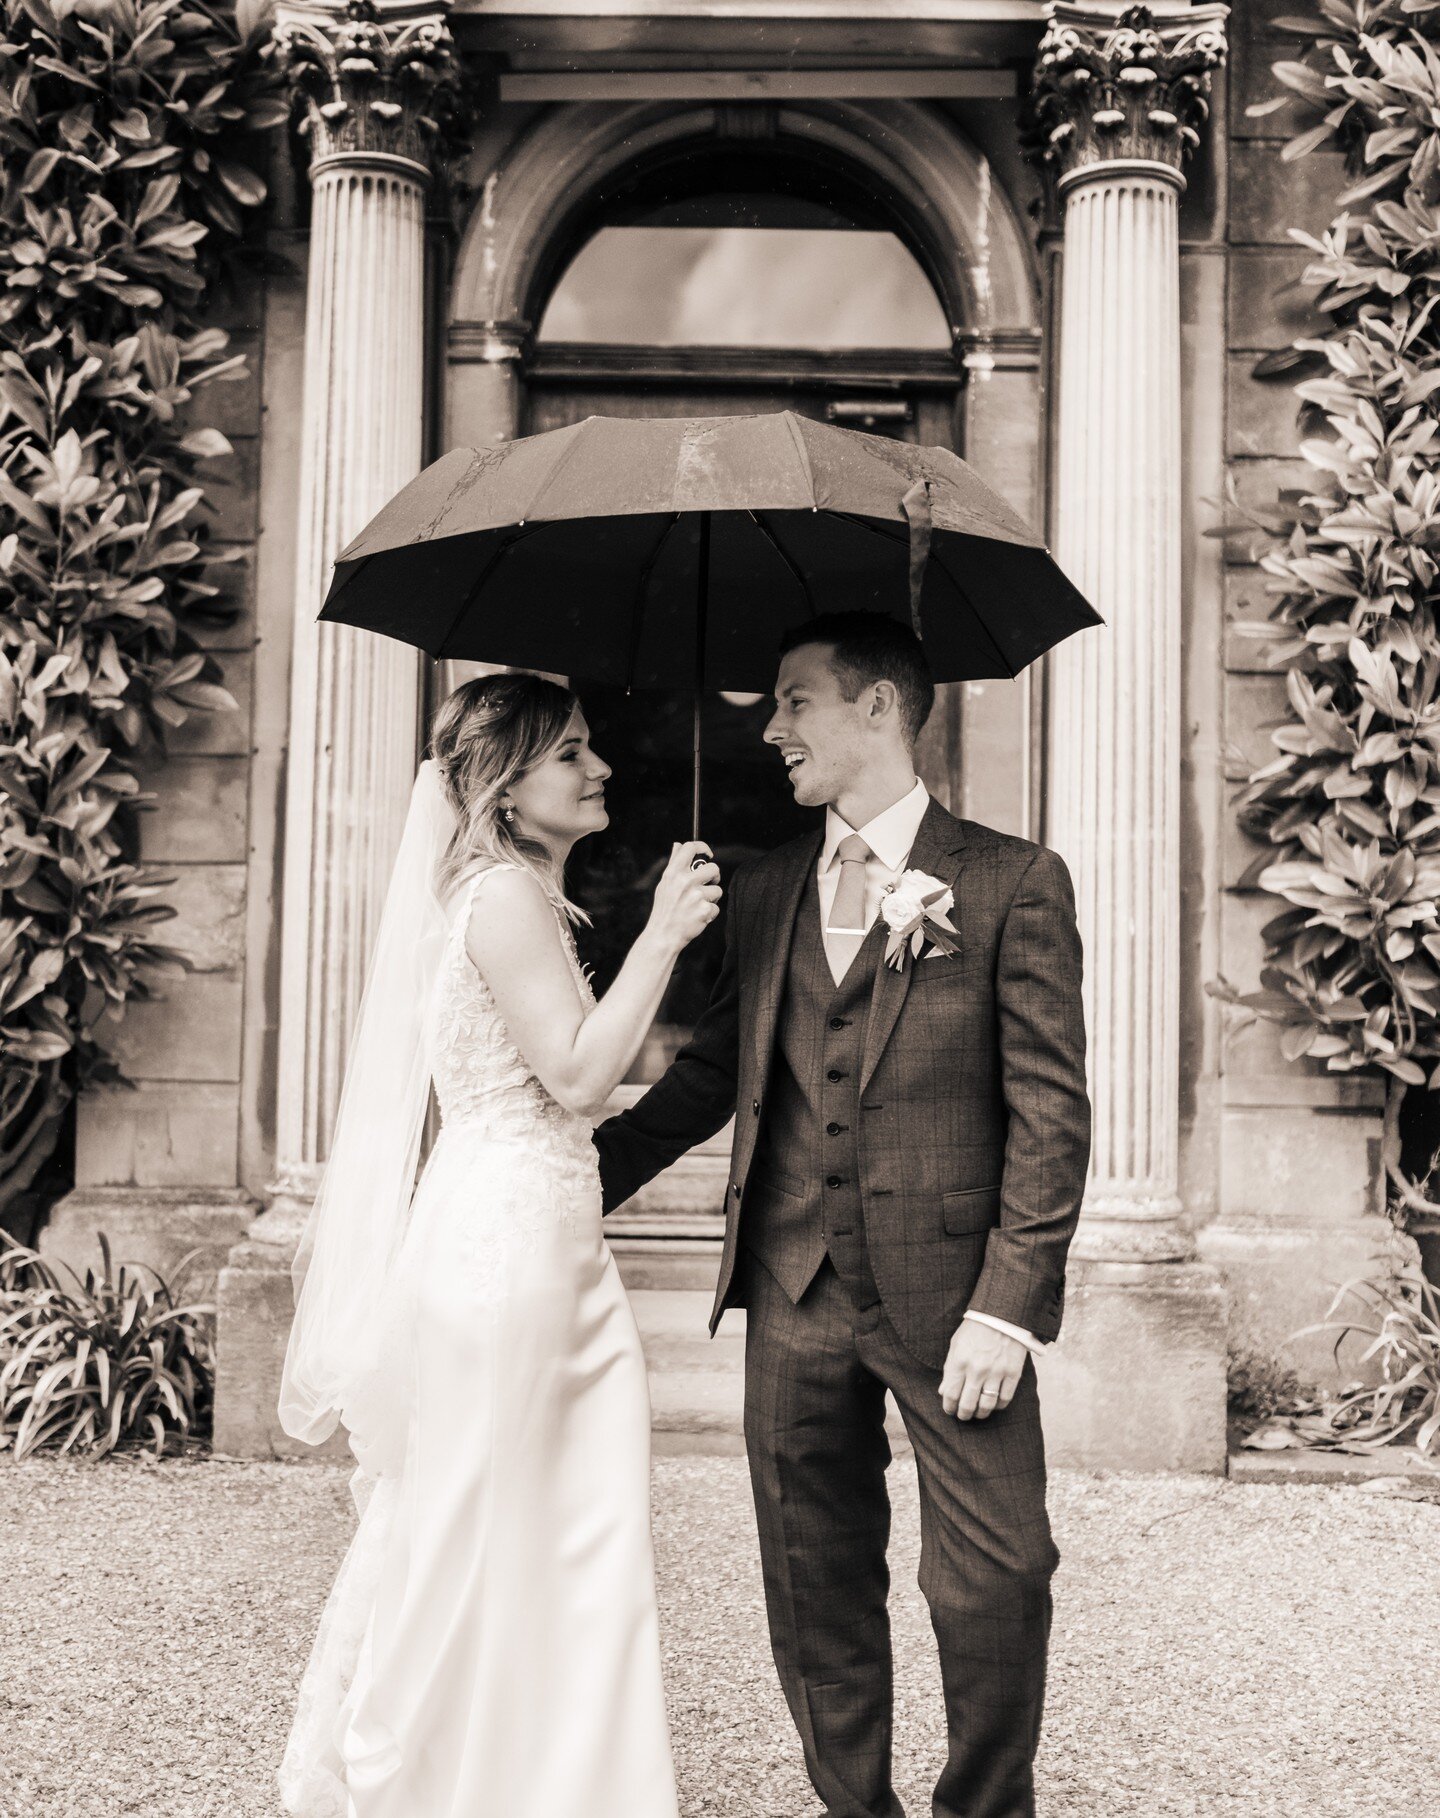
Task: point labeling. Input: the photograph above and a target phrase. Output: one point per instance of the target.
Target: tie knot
(852, 849)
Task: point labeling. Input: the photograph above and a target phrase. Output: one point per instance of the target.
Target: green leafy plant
(1260, 1387)
(115, 1362)
(1398, 1314)
(1350, 806)
(125, 188)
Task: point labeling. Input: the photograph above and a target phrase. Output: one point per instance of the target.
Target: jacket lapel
(939, 850)
(782, 906)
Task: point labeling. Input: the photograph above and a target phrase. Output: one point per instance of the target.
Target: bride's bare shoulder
(510, 913)
(502, 885)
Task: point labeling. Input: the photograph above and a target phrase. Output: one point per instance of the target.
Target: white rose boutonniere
(916, 908)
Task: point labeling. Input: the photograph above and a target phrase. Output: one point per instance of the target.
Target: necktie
(847, 912)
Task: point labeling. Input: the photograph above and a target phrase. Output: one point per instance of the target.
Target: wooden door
(748, 806)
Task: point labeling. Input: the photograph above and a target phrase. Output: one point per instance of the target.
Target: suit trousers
(816, 1373)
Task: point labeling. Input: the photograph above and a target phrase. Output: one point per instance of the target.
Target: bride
(490, 1648)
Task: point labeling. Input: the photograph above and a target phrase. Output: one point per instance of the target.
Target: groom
(910, 1150)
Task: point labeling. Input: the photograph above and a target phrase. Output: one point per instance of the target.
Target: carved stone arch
(940, 193)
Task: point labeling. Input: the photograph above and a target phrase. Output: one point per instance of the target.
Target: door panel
(552, 406)
(747, 804)
(973, 754)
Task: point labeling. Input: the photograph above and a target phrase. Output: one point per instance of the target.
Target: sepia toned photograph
(719, 908)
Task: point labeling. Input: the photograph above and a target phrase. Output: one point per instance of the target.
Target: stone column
(375, 88)
(1118, 103)
(483, 397)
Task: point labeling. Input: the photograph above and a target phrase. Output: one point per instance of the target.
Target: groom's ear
(884, 700)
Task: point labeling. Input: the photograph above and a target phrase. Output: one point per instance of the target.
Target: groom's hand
(982, 1371)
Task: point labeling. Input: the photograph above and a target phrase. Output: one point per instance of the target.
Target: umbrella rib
(890, 536)
(802, 451)
(331, 600)
(785, 556)
(480, 580)
(637, 617)
(567, 454)
(938, 561)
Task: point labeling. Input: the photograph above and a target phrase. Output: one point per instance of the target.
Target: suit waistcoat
(803, 1198)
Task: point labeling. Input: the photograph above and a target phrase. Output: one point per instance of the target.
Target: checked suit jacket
(973, 1123)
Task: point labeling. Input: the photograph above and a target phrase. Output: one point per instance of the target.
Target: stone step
(697, 1401)
(675, 1331)
(703, 1411)
(674, 1264)
(697, 1384)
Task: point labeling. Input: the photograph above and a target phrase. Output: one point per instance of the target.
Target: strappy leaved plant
(115, 1361)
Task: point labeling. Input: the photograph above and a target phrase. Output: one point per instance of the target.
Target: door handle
(869, 410)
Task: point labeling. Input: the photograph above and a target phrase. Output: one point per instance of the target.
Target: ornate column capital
(1129, 87)
(379, 82)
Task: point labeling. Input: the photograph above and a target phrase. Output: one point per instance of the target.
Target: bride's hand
(687, 898)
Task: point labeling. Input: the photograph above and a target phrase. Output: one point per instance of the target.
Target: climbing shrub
(126, 186)
(1349, 806)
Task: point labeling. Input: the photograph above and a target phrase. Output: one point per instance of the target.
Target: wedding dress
(490, 1648)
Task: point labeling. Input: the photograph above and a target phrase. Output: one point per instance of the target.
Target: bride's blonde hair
(487, 735)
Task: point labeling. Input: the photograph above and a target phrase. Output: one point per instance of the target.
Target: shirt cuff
(1028, 1339)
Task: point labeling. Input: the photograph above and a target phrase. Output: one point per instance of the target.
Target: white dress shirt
(890, 835)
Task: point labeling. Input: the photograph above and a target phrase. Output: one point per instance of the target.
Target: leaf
(1273, 1436)
(206, 444)
(159, 195)
(252, 15)
(1281, 362)
(38, 170)
(242, 182)
(1304, 143)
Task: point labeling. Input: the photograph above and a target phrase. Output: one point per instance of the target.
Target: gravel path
(1219, 1649)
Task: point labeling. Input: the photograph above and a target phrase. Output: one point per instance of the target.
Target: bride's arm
(514, 942)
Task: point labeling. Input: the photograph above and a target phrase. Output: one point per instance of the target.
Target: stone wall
(179, 1161)
(1298, 1204)
(1279, 1161)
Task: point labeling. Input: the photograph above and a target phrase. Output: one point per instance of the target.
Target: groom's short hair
(872, 647)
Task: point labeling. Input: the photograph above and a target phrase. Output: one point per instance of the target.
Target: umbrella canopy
(654, 552)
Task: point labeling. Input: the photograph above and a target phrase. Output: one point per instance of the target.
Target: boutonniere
(916, 908)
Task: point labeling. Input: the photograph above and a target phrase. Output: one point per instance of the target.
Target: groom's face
(822, 738)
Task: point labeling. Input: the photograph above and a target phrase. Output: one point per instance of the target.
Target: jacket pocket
(772, 1183)
(976, 1209)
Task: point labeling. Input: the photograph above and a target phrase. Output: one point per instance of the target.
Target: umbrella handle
(695, 763)
(702, 613)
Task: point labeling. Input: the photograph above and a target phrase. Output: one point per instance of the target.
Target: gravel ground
(1219, 1649)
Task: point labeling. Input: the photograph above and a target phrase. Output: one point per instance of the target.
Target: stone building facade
(1105, 263)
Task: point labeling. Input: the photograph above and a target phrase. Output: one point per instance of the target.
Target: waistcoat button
(833, 1129)
(833, 1180)
(837, 1022)
(834, 1073)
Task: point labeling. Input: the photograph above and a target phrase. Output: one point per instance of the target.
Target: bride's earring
(509, 814)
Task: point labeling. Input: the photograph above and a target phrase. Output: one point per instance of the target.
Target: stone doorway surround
(1138, 1379)
(940, 194)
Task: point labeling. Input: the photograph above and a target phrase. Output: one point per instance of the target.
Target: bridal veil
(340, 1365)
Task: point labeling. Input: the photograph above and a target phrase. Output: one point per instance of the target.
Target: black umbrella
(667, 552)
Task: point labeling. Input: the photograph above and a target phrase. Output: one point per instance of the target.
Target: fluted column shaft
(375, 81)
(1119, 101)
(354, 702)
(1115, 731)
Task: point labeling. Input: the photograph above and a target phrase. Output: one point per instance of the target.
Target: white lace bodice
(481, 1080)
